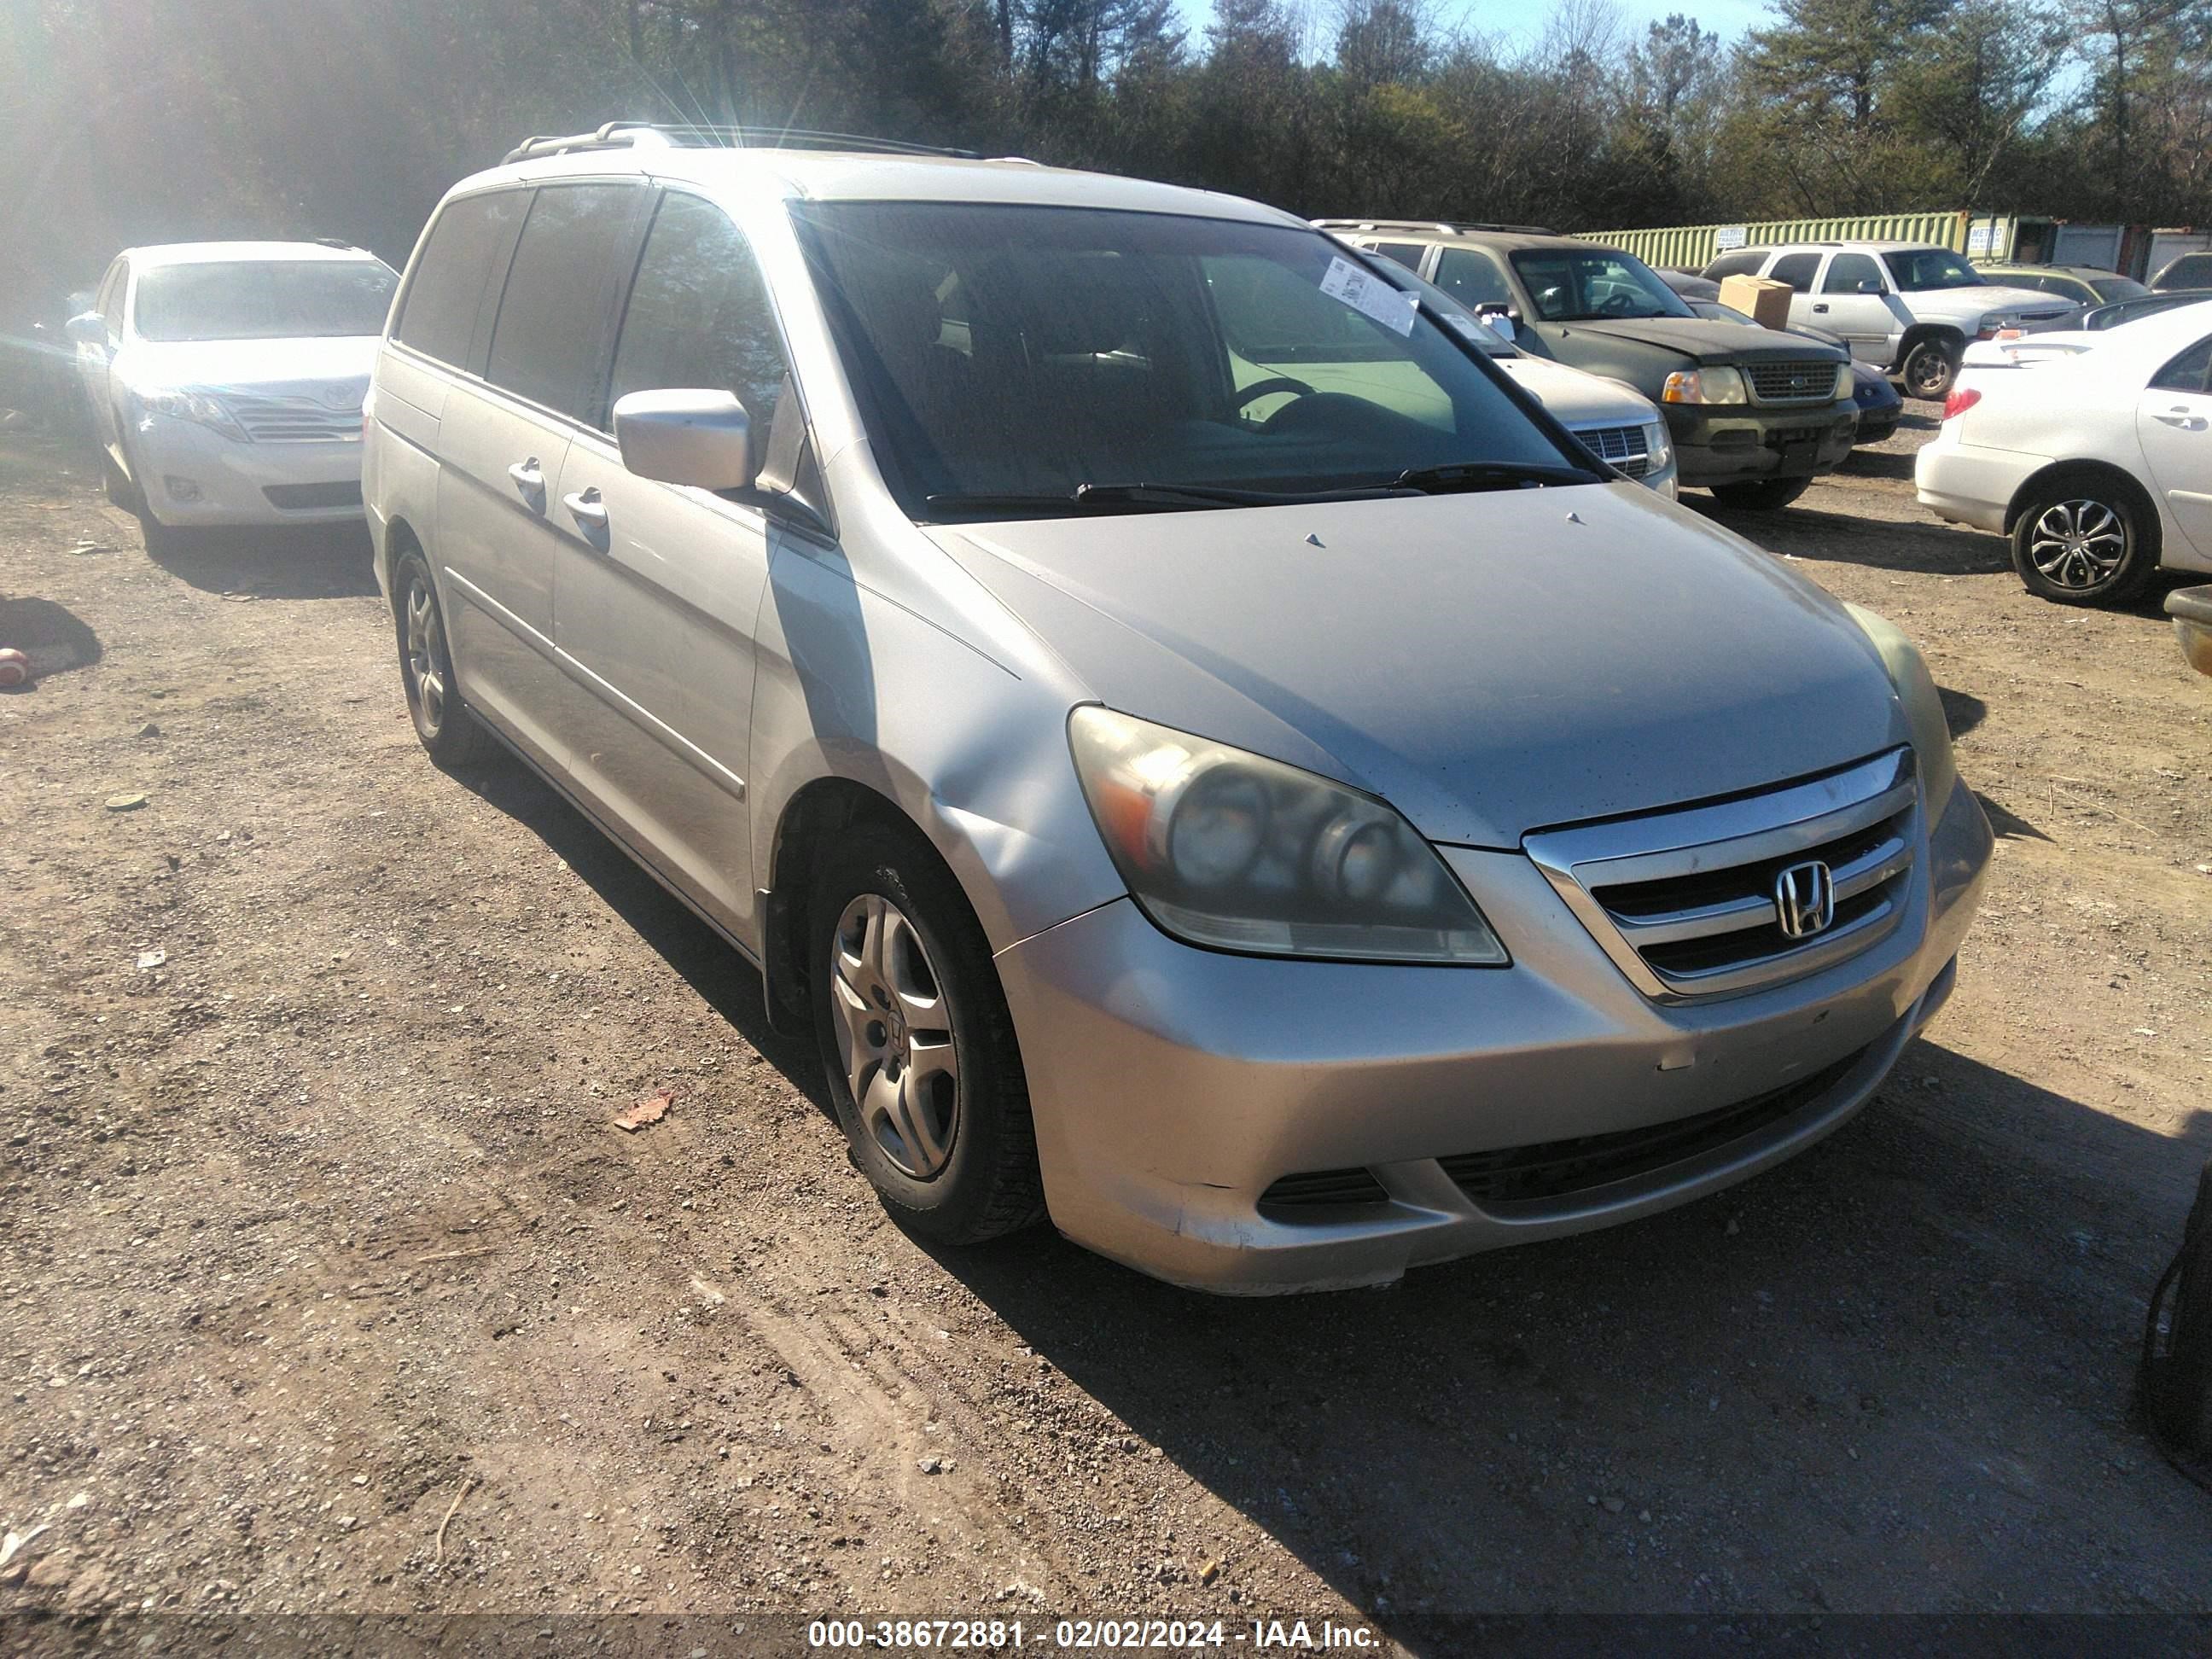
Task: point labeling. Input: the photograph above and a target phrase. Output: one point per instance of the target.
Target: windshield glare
(265, 300)
(1569, 285)
(1028, 351)
(1917, 270)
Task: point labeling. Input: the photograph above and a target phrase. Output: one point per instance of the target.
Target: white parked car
(1904, 306)
(224, 381)
(2098, 465)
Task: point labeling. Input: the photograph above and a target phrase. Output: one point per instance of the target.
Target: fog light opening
(180, 489)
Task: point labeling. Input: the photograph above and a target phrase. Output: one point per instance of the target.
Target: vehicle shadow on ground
(54, 637)
(724, 980)
(1917, 1312)
(1879, 543)
(323, 562)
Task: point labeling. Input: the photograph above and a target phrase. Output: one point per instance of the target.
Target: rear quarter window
(1743, 264)
(446, 310)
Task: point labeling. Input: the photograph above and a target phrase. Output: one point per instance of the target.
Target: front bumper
(1172, 1086)
(190, 475)
(2192, 610)
(1737, 443)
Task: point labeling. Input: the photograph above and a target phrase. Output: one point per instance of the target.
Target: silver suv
(1903, 307)
(1207, 757)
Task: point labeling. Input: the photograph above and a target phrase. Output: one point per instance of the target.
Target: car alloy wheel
(2079, 545)
(1929, 370)
(893, 1031)
(425, 651)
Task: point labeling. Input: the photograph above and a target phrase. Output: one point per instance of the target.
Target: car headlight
(190, 404)
(1923, 706)
(1847, 384)
(1704, 386)
(1232, 850)
(1656, 452)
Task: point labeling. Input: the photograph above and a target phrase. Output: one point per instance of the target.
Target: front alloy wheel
(894, 1030)
(2082, 548)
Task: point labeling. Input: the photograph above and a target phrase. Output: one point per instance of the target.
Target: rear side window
(1796, 269)
(698, 313)
(1745, 264)
(1473, 279)
(455, 280)
(2186, 372)
(557, 316)
(1848, 271)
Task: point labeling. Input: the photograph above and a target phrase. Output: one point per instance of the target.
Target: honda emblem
(1805, 899)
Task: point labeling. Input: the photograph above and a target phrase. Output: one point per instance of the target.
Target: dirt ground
(328, 1286)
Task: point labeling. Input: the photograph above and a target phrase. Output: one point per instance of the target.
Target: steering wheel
(1274, 383)
(1617, 303)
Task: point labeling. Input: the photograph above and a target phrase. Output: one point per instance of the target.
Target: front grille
(1688, 903)
(1623, 446)
(285, 418)
(1558, 1169)
(297, 497)
(1793, 382)
(1311, 1196)
(2042, 316)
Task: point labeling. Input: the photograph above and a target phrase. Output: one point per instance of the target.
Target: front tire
(442, 722)
(1763, 495)
(918, 1042)
(2085, 541)
(1929, 368)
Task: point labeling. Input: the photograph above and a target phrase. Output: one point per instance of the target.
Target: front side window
(1571, 285)
(456, 280)
(1472, 278)
(698, 313)
(556, 318)
(1917, 270)
(1796, 269)
(1849, 273)
(1022, 352)
(264, 299)
(2185, 373)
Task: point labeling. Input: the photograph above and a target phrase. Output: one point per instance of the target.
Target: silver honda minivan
(1207, 757)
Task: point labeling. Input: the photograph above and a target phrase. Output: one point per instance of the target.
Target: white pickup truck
(1904, 307)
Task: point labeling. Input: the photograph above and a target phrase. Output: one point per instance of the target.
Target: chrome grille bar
(1684, 904)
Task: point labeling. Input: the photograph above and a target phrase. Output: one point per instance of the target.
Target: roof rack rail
(1432, 227)
(631, 135)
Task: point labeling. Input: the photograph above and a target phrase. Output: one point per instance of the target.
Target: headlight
(1235, 851)
(1923, 706)
(1847, 385)
(1703, 385)
(190, 404)
(1656, 450)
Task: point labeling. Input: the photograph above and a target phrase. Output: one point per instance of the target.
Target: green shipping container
(1693, 248)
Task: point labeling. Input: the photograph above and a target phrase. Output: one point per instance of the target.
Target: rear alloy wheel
(1929, 368)
(444, 724)
(918, 1042)
(1762, 495)
(2084, 542)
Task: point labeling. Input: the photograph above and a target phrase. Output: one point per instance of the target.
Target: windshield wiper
(1159, 497)
(1488, 475)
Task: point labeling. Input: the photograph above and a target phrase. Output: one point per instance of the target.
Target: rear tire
(1929, 368)
(1762, 495)
(2085, 539)
(448, 730)
(908, 1012)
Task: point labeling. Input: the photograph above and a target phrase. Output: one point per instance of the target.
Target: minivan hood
(1705, 339)
(262, 365)
(1489, 664)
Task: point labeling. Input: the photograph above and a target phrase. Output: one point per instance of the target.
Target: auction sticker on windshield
(1370, 296)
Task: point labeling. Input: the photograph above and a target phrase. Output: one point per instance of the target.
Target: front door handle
(530, 478)
(1823, 306)
(2181, 415)
(586, 508)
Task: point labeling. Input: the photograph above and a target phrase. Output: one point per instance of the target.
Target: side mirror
(1500, 321)
(86, 328)
(686, 435)
(1871, 285)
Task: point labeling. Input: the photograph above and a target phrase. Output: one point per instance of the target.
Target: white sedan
(225, 380)
(2097, 464)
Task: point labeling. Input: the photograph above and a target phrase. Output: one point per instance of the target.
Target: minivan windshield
(1915, 269)
(1017, 360)
(264, 299)
(1577, 285)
